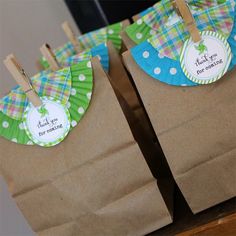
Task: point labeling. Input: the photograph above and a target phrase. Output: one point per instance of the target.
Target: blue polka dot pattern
(159, 67)
(168, 70)
(165, 69)
(102, 52)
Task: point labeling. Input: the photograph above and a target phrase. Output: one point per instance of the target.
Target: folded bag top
(72, 86)
(159, 55)
(89, 41)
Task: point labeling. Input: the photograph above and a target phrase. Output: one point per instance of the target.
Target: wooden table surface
(221, 227)
(210, 222)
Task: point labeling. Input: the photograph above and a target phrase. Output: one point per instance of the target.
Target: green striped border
(209, 81)
(36, 141)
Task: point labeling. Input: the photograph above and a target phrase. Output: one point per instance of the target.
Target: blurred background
(93, 14)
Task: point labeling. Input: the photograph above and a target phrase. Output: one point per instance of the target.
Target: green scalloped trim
(113, 34)
(139, 31)
(78, 103)
(83, 89)
(13, 130)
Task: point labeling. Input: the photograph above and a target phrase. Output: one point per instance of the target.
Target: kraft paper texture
(96, 182)
(140, 125)
(197, 131)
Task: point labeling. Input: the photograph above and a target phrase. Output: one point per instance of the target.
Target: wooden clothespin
(184, 11)
(50, 57)
(22, 79)
(71, 36)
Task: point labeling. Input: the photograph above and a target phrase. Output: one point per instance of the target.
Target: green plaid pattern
(163, 10)
(61, 53)
(81, 75)
(85, 55)
(88, 41)
(93, 38)
(169, 40)
(152, 20)
(65, 51)
(57, 85)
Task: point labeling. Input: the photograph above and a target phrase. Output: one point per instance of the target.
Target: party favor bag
(95, 181)
(195, 123)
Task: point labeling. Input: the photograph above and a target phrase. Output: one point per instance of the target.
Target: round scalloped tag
(48, 124)
(206, 61)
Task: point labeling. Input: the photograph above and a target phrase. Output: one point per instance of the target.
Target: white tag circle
(206, 61)
(47, 125)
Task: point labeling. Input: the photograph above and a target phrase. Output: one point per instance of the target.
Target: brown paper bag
(197, 130)
(129, 43)
(125, 23)
(123, 86)
(140, 125)
(96, 182)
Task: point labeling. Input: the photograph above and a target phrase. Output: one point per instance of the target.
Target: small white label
(47, 125)
(206, 61)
